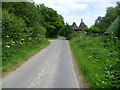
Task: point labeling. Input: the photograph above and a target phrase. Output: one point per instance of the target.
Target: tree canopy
(111, 14)
(53, 21)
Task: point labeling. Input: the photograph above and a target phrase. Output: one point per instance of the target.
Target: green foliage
(93, 30)
(28, 11)
(113, 29)
(12, 27)
(118, 8)
(98, 59)
(20, 37)
(104, 22)
(24, 27)
(67, 31)
(54, 22)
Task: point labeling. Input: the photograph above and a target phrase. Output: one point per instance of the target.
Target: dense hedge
(20, 38)
(25, 27)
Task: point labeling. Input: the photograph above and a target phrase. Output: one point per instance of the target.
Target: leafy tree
(98, 19)
(118, 8)
(104, 22)
(101, 24)
(22, 30)
(67, 31)
(53, 21)
(28, 11)
(111, 15)
(12, 27)
(93, 30)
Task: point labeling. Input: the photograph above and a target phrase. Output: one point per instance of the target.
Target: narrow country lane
(50, 68)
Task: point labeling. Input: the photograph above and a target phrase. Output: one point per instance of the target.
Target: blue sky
(74, 10)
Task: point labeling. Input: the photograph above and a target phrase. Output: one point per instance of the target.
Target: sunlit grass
(15, 54)
(98, 58)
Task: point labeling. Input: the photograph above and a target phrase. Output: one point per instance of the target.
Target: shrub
(93, 30)
(67, 32)
(19, 41)
(13, 28)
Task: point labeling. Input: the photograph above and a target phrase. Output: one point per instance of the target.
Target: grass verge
(19, 54)
(97, 57)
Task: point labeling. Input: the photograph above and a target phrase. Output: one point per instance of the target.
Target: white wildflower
(7, 36)
(29, 38)
(22, 39)
(8, 46)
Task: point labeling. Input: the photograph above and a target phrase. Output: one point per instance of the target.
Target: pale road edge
(72, 64)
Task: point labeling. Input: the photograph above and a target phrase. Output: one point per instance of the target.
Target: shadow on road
(62, 38)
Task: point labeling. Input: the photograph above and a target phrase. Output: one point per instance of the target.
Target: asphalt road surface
(50, 68)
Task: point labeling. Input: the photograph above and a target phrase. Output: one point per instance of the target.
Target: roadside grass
(20, 40)
(97, 56)
(19, 53)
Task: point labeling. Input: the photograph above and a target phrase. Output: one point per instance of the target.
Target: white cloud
(60, 10)
(71, 9)
(88, 19)
(62, 6)
(76, 6)
(94, 0)
(103, 5)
